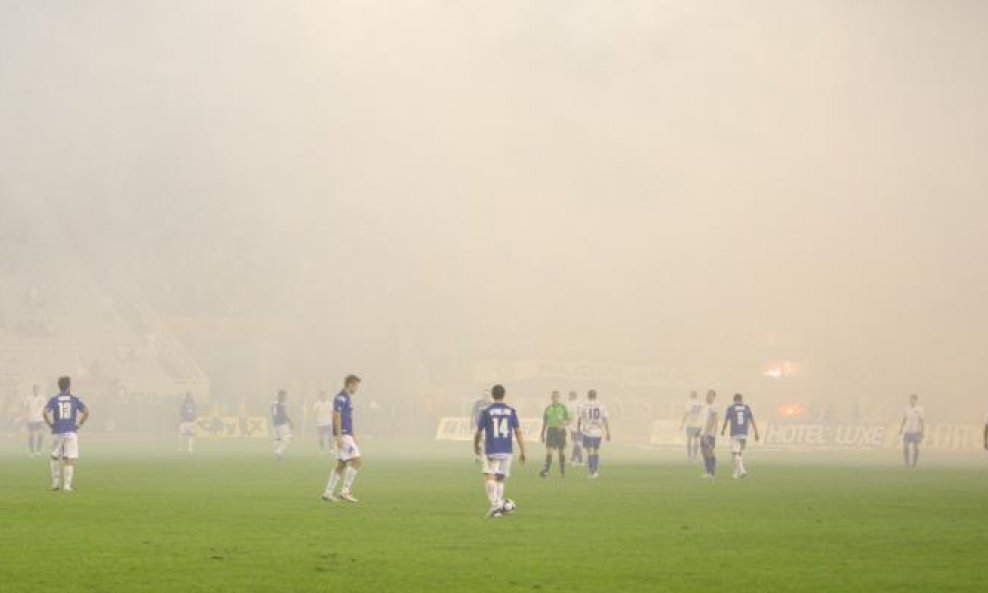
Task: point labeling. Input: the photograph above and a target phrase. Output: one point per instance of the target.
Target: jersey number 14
(501, 428)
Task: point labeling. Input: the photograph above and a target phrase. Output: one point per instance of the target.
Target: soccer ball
(509, 506)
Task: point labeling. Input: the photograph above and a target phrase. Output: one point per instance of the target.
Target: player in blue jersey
(739, 416)
(281, 423)
(187, 426)
(348, 454)
(496, 425)
(65, 414)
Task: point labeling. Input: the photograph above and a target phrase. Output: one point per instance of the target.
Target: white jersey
(323, 411)
(573, 411)
(694, 413)
(914, 419)
(709, 417)
(592, 417)
(35, 405)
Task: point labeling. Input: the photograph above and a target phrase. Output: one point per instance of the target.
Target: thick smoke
(296, 190)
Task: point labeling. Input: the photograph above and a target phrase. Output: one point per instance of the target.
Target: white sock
(500, 493)
(190, 444)
(491, 488)
(56, 472)
(351, 475)
(68, 471)
(333, 479)
(734, 462)
(741, 465)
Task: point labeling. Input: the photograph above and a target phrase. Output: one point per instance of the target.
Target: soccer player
(64, 414)
(911, 429)
(497, 423)
(34, 407)
(593, 425)
(739, 416)
(347, 453)
(692, 422)
(708, 435)
(187, 426)
(323, 411)
(573, 408)
(554, 421)
(986, 431)
(478, 408)
(282, 424)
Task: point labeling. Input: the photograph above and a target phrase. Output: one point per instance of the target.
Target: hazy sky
(691, 184)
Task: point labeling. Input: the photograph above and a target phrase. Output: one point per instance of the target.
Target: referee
(554, 421)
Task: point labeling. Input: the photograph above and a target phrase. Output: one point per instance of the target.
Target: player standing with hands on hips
(497, 423)
(347, 453)
(65, 414)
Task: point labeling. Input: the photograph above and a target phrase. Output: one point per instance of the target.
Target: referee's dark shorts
(555, 438)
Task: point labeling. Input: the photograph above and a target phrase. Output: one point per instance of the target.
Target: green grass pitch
(230, 519)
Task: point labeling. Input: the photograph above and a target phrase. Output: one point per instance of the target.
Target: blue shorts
(591, 442)
(911, 437)
(708, 441)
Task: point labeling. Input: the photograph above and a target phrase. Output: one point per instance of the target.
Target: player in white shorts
(911, 430)
(34, 406)
(986, 431)
(740, 417)
(187, 423)
(348, 460)
(593, 425)
(282, 424)
(65, 414)
(708, 437)
(323, 411)
(692, 422)
(497, 424)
